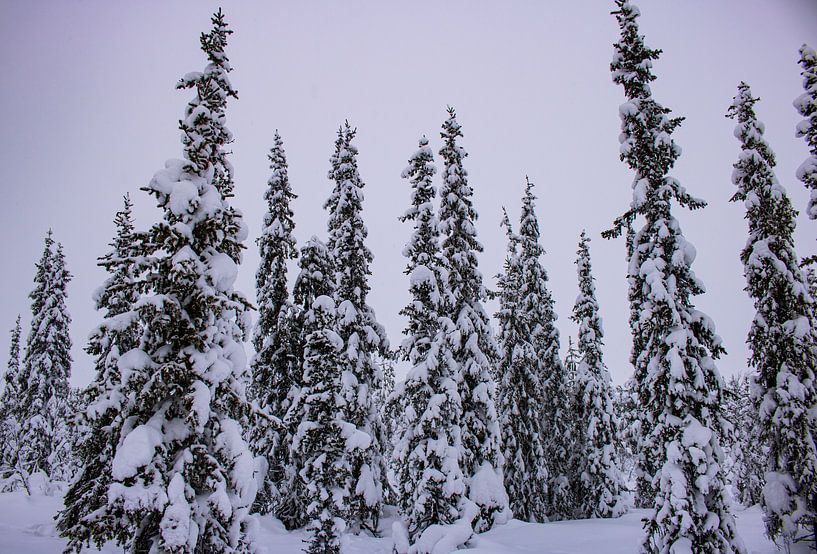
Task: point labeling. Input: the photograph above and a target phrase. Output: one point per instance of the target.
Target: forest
(187, 437)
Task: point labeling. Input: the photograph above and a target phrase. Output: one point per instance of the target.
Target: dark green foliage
(782, 336)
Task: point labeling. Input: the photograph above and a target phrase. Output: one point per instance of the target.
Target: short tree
(322, 435)
(9, 424)
(316, 278)
(746, 455)
(100, 423)
(46, 368)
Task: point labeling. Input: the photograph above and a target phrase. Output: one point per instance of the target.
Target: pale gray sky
(90, 112)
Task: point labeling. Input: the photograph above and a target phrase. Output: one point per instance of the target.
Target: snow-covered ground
(26, 527)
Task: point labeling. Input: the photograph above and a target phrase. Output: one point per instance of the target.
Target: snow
(26, 527)
(223, 271)
(136, 450)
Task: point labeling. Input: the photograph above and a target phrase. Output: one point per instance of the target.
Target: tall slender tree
(674, 345)
(782, 336)
(183, 476)
(276, 367)
(100, 423)
(806, 106)
(601, 486)
(426, 452)
(475, 351)
(9, 424)
(526, 326)
(362, 335)
(46, 368)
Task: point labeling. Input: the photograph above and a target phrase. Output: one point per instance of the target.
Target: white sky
(89, 113)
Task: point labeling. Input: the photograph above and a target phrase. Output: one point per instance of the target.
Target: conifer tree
(526, 325)
(321, 436)
(315, 279)
(625, 403)
(100, 422)
(9, 424)
(674, 345)
(362, 335)
(474, 351)
(183, 477)
(601, 486)
(426, 452)
(572, 359)
(747, 456)
(782, 336)
(276, 367)
(806, 106)
(46, 368)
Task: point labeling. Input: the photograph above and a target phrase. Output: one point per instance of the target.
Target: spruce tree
(747, 456)
(782, 336)
(426, 452)
(601, 487)
(474, 350)
(674, 345)
(322, 434)
(362, 335)
(526, 324)
(571, 362)
(315, 279)
(806, 106)
(625, 403)
(100, 423)
(9, 424)
(46, 368)
(183, 477)
(276, 366)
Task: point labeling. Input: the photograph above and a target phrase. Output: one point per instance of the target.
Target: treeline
(180, 438)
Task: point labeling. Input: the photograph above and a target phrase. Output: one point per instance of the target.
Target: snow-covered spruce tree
(100, 423)
(315, 279)
(572, 359)
(782, 336)
(183, 477)
(386, 410)
(625, 403)
(320, 436)
(523, 413)
(46, 368)
(362, 335)
(9, 425)
(276, 367)
(674, 345)
(747, 456)
(474, 350)
(806, 106)
(601, 487)
(426, 452)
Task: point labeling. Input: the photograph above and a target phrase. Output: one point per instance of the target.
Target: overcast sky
(89, 113)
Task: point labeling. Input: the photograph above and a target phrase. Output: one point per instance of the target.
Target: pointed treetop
(632, 65)
(528, 224)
